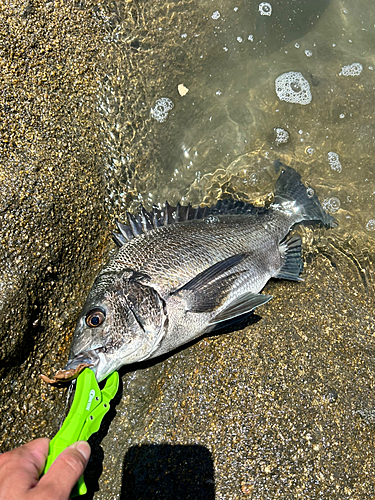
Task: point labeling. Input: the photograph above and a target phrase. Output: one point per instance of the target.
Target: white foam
(265, 9)
(282, 136)
(332, 205)
(293, 87)
(354, 69)
(310, 192)
(216, 15)
(334, 161)
(370, 226)
(161, 109)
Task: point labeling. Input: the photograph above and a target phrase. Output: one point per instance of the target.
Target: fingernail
(84, 448)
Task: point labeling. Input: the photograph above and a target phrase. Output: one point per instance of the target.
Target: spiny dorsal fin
(158, 217)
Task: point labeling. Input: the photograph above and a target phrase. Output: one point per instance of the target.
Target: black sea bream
(180, 272)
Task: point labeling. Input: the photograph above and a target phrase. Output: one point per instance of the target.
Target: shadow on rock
(223, 328)
(165, 471)
(159, 471)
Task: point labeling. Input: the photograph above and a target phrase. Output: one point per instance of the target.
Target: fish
(181, 272)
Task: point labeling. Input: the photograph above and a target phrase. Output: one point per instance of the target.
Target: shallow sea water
(205, 122)
(189, 112)
(221, 137)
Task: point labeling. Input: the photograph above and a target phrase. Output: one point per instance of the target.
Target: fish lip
(90, 357)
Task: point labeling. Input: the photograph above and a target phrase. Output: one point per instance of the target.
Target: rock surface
(51, 200)
(282, 408)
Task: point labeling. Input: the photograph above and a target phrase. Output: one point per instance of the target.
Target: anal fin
(293, 264)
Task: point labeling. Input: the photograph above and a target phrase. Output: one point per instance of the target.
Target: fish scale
(181, 271)
(169, 263)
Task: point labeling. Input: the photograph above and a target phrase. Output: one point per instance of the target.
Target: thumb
(65, 471)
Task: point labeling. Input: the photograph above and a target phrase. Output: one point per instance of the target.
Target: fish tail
(293, 196)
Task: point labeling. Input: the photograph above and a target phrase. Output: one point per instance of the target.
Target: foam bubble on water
(332, 205)
(354, 69)
(212, 219)
(282, 136)
(334, 161)
(370, 226)
(308, 53)
(293, 87)
(310, 192)
(252, 179)
(161, 109)
(265, 9)
(216, 15)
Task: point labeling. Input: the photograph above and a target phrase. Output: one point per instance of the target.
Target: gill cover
(122, 322)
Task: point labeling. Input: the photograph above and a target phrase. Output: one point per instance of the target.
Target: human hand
(20, 470)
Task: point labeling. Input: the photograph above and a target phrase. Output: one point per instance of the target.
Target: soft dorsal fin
(157, 217)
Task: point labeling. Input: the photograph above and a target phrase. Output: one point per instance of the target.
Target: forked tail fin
(291, 195)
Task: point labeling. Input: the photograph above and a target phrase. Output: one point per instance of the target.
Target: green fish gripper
(89, 406)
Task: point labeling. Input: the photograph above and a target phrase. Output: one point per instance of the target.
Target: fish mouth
(88, 359)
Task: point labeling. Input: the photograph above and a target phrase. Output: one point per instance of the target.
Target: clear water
(222, 136)
(191, 112)
(217, 131)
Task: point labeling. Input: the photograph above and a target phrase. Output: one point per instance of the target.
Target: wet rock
(273, 410)
(51, 199)
(261, 403)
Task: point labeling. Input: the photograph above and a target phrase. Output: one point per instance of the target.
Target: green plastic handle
(89, 406)
(94, 420)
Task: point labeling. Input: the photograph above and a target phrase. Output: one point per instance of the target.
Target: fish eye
(95, 318)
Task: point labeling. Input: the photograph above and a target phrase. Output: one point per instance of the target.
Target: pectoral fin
(242, 305)
(210, 288)
(213, 273)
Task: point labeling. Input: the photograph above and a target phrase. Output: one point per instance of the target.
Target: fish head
(122, 322)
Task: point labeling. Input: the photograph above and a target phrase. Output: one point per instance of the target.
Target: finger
(38, 450)
(64, 472)
(22, 466)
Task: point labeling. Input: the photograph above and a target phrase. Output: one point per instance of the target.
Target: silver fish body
(181, 272)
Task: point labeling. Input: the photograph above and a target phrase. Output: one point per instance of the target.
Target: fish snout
(88, 357)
